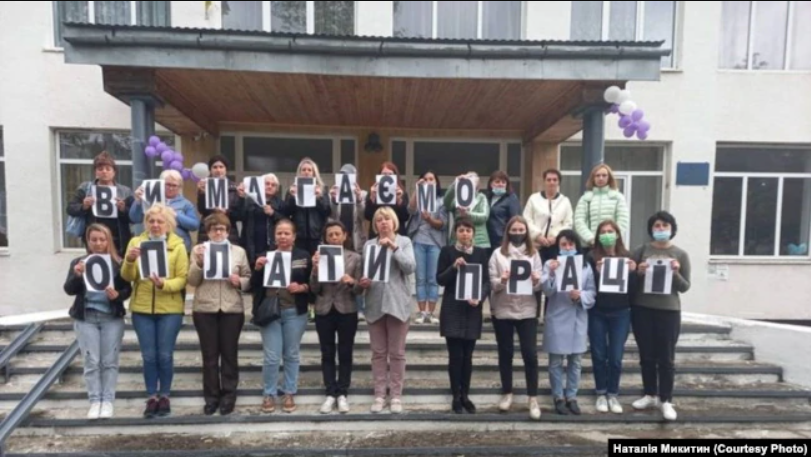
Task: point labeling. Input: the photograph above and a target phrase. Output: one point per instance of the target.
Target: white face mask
(157, 238)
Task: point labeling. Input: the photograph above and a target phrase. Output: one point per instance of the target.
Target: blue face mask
(664, 235)
(568, 253)
(499, 191)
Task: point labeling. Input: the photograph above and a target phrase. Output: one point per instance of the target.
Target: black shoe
(164, 409)
(468, 405)
(573, 407)
(456, 406)
(226, 410)
(560, 408)
(210, 409)
(151, 408)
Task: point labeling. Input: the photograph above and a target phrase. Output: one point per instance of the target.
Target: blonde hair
(110, 242)
(612, 183)
(166, 212)
(306, 161)
(272, 178)
(388, 213)
(172, 175)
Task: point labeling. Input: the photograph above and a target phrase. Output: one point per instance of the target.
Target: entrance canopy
(202, 78)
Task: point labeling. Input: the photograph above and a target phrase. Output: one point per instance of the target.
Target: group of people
(430, 245)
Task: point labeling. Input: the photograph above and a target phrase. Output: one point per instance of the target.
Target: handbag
(269, 310)
(75, 226)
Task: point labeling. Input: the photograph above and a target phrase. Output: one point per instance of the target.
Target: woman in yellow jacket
(157, 306)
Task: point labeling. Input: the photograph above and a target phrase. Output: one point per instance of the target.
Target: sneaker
(343, 405)
(560, 407)
(534, 409)
(151, 408)
(614, 405)
(288, 404)
(433, 319)
(668, 412)
(573, 407)
(506, 403)
(397, 406)
(328, 405)
(378, 405)
(361, 316)
(646, 402)
(602, 404)
(107, 410)
(269, 404)
(164, 407)
(95, 411)
(311, 315)
(420, 319)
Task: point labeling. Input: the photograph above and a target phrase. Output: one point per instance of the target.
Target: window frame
(778, 223)
(479, 20)
(91, 17)
(267, 17)
(4, 249)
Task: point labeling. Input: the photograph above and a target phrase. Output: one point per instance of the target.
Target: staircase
(721, 391)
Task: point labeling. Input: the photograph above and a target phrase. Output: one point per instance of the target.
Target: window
(458, 19)
(328, 18)
(3, 210)
(639, 171)
(75, 152)
(156, 13)
(761, 201)
(625, 21)
(765, 35)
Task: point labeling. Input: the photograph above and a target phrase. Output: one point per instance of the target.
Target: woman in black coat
(259, 222)
(460, 321)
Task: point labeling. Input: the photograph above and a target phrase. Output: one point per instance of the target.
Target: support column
(593, 141)
(143, 126)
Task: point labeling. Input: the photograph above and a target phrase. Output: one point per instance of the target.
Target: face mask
(157, 238)
(499, 191)
(662, 236)
(568, 253)
(608, 239)
(517, 240)
(218, 243)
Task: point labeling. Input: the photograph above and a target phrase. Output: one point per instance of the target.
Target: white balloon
(627, 107)
(611, 94)
(623, 96)
(200, 170)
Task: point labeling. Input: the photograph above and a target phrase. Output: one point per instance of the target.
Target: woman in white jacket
(548, 213)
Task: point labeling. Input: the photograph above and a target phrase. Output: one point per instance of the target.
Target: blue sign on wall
(693, 174)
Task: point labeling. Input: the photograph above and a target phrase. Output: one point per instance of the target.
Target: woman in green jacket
(601, 202)
(478, 212)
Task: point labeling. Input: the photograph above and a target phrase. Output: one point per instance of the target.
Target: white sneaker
(328, 405)
(107, 410)
(646, 402)
(396, 406)
(361, 316)
(343, 405)
(420, 319)
(95, 411)
(506, 403)
(668, 412)
(534, 409)
(378, 405)
(433, 319)
(614, 405)
(602, 404)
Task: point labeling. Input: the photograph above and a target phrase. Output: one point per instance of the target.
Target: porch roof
(205, 77)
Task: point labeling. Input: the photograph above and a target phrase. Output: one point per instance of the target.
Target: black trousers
(528, 337)
(345, 326)
(460, 365)
(657, 332)
(219, 343)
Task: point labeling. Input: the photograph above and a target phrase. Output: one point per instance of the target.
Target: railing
(16, 346)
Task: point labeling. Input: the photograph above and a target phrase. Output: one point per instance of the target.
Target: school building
(445, 85)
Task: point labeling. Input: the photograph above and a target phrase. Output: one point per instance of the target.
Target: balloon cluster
(173, 160)
(631, 117)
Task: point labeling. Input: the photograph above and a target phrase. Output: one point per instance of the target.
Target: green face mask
(608, 239)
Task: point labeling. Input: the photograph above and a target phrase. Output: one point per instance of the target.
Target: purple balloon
(178, 157)
(176, 166)
(643, 126)
(186, 174)
(150, 152)
(154, 141)
(161, 147)
(642, 135)
(637, 115)
(629, 131)
(614, 108)
(194, 178)
(167, 157)
(625, 122)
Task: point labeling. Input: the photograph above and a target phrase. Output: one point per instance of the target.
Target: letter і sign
(377, 263)
(659, 276)
(98, 272)
(330, 263)
(105, 207)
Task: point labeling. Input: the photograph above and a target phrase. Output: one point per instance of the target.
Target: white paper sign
(98, 272)
(386, 189)
(305, 192)
(346, 188)
(154, 192)
(330, 263)
(216, 193)
(659, 276)
(520, 282)
(255, 189)
(465, 193)
(426, 197)
(469, 282)
(104, 207)
(569, 274)
(217, 261)
(154, 259)
(377, 263)
(614, 276)
(278, 269)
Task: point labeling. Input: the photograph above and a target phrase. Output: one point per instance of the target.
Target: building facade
(734, 94)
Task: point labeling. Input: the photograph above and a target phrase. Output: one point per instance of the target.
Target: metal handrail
(16, 346)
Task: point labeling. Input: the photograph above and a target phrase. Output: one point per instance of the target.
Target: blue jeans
(427, 256)
(360, 302)
(99, 336)
(608, 332)
(282, 339)
(157, 335)
(572, 375)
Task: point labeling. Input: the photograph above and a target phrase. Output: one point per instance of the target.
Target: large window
(328, 18)
(765, 35)
(3, 210)
(458, 19)
(761, 201)
(156, 13)
(640, 176)
(625, 21)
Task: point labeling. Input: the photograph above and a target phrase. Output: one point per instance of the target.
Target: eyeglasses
(173, 186)
(218, 229)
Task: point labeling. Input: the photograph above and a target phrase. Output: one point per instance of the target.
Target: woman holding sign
(569, 284)
(399, 205)
(461, 273)
(218, 167)
(309, 220)
(281, 336)
(664, 271)
(603, 201)
(470, 204)
(504, 205)
(387, 261)
(259, 222)
(98, 316)
(187, 219)
(157, 265)
(219, 312)
(515, 276)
